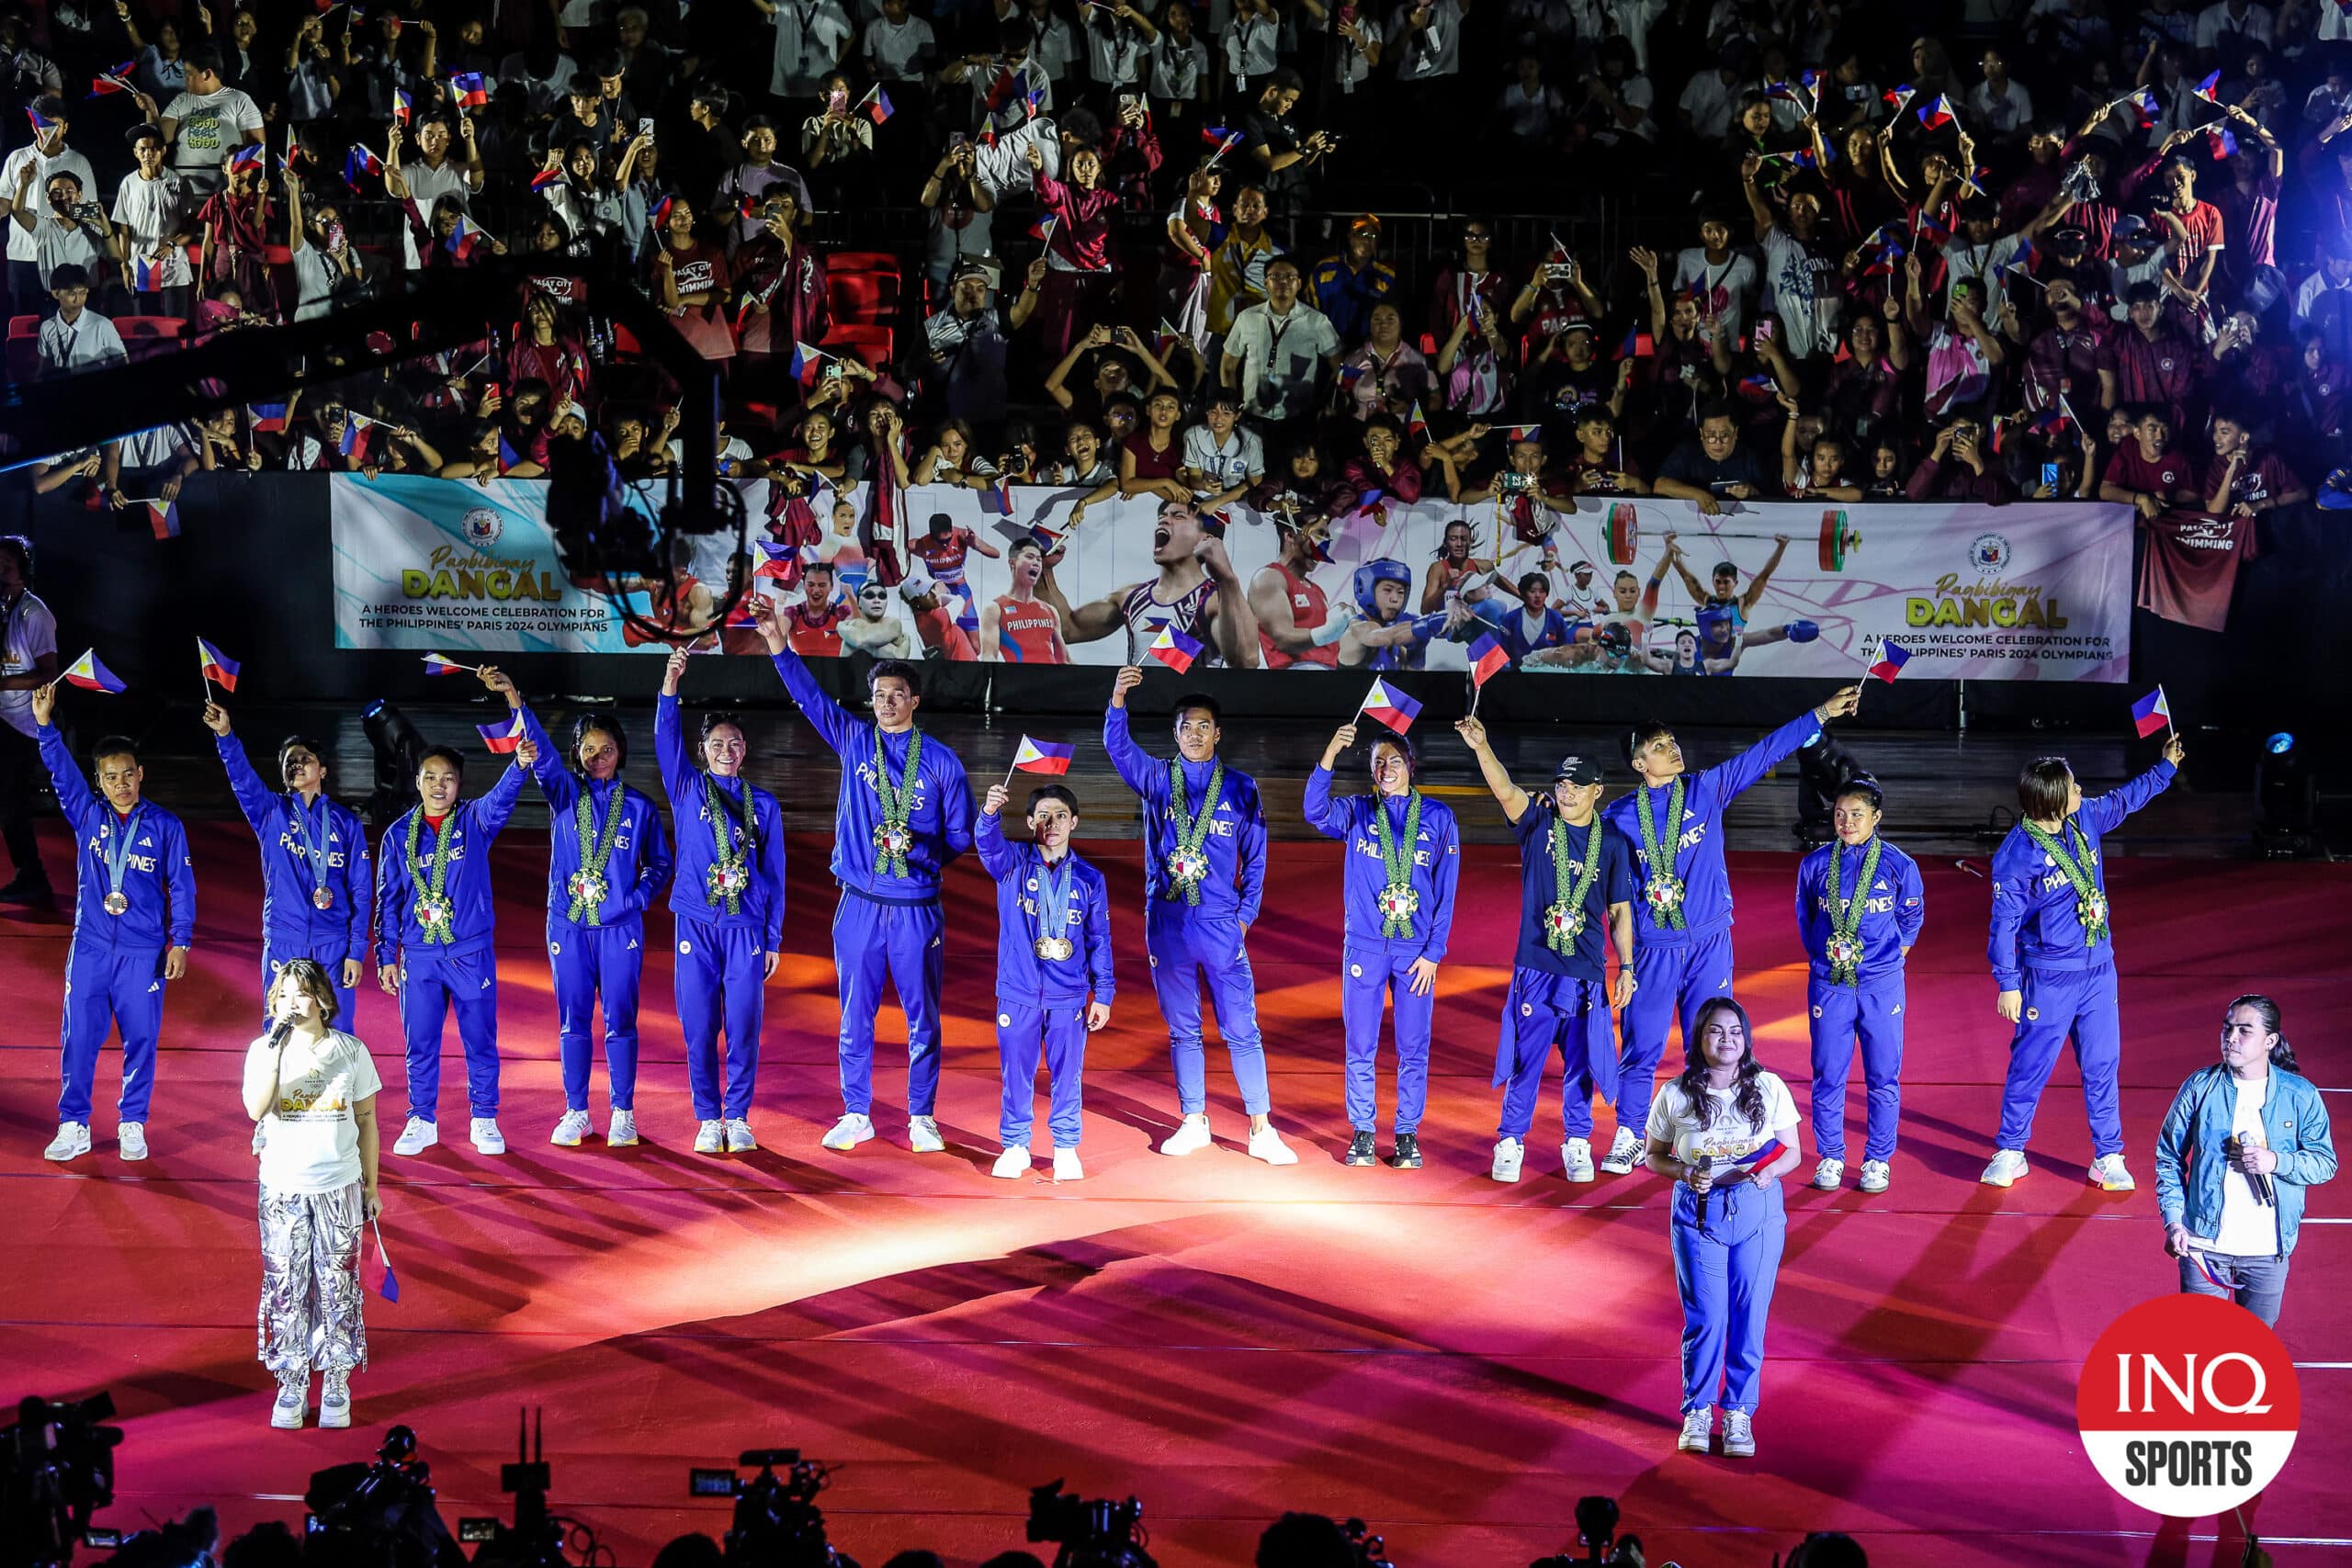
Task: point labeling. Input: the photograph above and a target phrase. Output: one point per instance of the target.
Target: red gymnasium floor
(1454, 1360)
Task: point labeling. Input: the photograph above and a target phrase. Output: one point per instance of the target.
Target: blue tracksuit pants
(1669, 981)
(590, 961)
(1060, 1029)
(107, 986)
(2059, 1003)
(719, 973)
(1874, 1010)
(1725, 1270)
(1185, 954)
(432, 984)
(1372, 977)
(905, 945)
(275, 957)
(1543, 1013)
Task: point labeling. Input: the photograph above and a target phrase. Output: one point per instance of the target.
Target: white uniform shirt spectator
(1435, 52)
(1052, 45)
(54, 244)
(1280, 357)
(1350, 69)
(1708, 102)
(1177, 69)
(315, 276)
(212, 125)
(1964, 260)
(22, 246)
(2219, 21)
(1531, 116)
(1628, 19)
(1252, 48)
(1722, 290)
(148, 210)
(27, 630)
(544, 95)
(2334, 23)
(426, 185)
(1243, 459)
(1114, 49)
(892, 49)
(810, 36)
(2003, 112)
(152, 448)
(1005, 166)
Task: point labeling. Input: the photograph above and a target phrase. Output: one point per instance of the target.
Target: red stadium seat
(862, 298)
(862, 261)
(24, 347)
(871, 344)
(624, 341)
(144, 335)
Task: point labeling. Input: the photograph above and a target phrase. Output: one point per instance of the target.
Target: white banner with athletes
(2028, 591)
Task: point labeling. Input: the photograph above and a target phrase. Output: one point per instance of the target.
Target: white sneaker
(1267, 1144)
(1698, 1431)
(739, 1136)
(132, 1137)
(1508, 1154)
(1829, 1173)
(1013, 1164)
(73, 1138)
(1066, 1165)
(923, 1136)
(1624, 1150)
(334, 1399)
(488, 1139)
(1876, 1173)
(2108, 1171)
(570, 1131)
(293, 1401)
(417, 1137)
(622, 1134)
(848, 1133)
(711, 1138)
(1739, 1436)
(1191, 1134)
(2007, 1167)
(1576, 1159)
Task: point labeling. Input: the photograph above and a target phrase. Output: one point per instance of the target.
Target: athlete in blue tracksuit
(316, 882)
(1396, 882)
(607, 858)
(1575, 895)
(1682, 904)
(435, 923)
(1053, 981)
(2055, 959)
(728, 898)
(134, 918)
(1204, 874)
(904, 812)
(1859, 911)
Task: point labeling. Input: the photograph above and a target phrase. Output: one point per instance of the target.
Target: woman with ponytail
(2243, 1140)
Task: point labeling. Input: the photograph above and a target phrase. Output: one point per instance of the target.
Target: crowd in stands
(2061, 249)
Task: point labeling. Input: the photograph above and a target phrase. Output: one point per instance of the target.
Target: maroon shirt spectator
(2150, 362)
(1946, 472)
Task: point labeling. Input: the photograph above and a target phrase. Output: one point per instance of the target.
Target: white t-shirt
(27, 631)
(22, 244)
(1722, 1132)
(2249, 1228)
(212, 125)
(1722, 288)
(310, 1141)
(315, 276)
(1280, 356)
(1243, 456)
(426, 187)
(151, 209)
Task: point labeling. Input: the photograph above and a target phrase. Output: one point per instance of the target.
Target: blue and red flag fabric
(1042, 757)
(2152, 713)
(163, 516)
(352, 442)
(391, 1288)
(502, 739)
(1488, 659)
(1386, 704)
(881, 107)
(218, 667)
(547, 179)
(1175, 649)
(146, 275)
(806, 358)
(359, 164)
(114, 80)
(402, 109)
(1896, 97)
(269, 419)
(440, 664)
(252, 155)
(996, 500)
(92, 676)
(465, 88)
(1937, 114)
(1891, 657)
(1770, 1150)
(466, 239)
(2209, 88)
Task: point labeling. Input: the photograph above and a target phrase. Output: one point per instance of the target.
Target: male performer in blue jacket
(316, 882)
(1682, 897)
(436, 922)
(2053, 957)
(1859, 911)
(1576, 875)
(607, 858)
(729, 900)
(904, 812)
(1203, 873)
(134, 918)
(1396, 882)
(1054, 980)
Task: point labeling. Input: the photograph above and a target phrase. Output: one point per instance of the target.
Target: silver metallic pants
(309, 1280)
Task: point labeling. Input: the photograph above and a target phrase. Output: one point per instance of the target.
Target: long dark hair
(1747, 1098)
(610, 723)
(2282, 1056)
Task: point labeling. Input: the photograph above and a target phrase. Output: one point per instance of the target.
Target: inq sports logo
(2189, 1406)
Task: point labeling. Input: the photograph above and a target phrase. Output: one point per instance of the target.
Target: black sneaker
(1360, 1151)
(1408, 1152)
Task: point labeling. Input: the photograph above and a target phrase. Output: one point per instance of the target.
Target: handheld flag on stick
(804, 359)
(1041, 231)
(996, 500)
(1041, 757)
(467, 89)
(391, 1288)
(163, 516)
(1415, 424)
(1175, 649)
(1938, 114)
(1488, 659)
(1390, 706)
(881, 107)
(1897, 97)
(219, 668)
(1891, 657)
(547, 179)
(269, 419)
(92, 676)
(438, 664)
(502, 739)
(116, 80)
(252, 155)
(2151, 714)
(402, 109)
(2209, 88)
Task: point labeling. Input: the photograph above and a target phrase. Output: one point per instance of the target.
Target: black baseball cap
(1578, 771)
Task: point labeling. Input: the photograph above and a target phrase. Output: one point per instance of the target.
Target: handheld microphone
(1703, 1165)
(2263, 1192)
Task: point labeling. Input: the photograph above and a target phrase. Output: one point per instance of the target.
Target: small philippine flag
(268, 418)
(502, 737)
(466, 87)
(391, 1288)
(1042, 757)
(1488, 659)
(352, 442)
(880, 108)
(440, 664)
(163, 516)
(90, 675)
(1390, 706)
(1937, 114)
(2150, 713)
(219, 667)
(1891, 657)
(1175, 649)
(996, 500)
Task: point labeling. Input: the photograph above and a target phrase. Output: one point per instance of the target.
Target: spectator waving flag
(41, 122)
(252, 155)
(806, 358)
(465, 238)
(218, 667)
(1175, 649)
(1043, 757)
(439, 664)
(1897, 97)
(2209, 88)
(996, 500)
(1390, 706)
(269, 419)
(1041, 231)
(466, 88)
(1891, 657)
(880, 108)
(502, 739)
(163, 516)
(2152, 713)
(1488, 659)
(402, 109)
(92, 676)
(548, 179)
(352, 441)
(1938, 114)
(116, 79)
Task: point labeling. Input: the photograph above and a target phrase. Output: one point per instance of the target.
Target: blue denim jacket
(2190, 1157)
